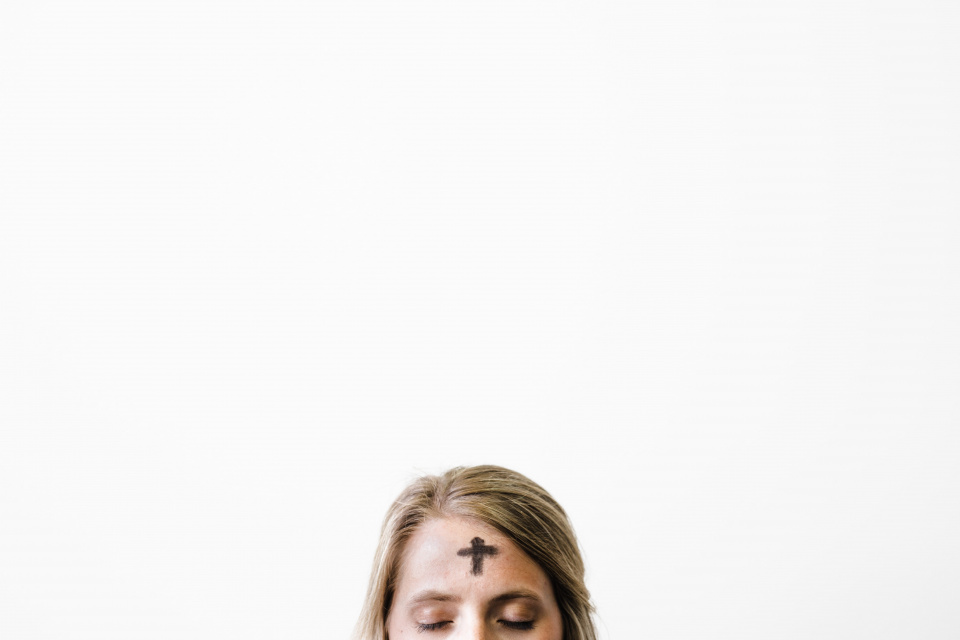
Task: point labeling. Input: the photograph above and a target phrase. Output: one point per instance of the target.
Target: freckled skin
(431, 562)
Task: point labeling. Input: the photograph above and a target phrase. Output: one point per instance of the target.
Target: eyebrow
(437, 596)
(517, 595)
(432, 595)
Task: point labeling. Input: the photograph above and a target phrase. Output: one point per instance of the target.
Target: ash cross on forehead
(477, 549)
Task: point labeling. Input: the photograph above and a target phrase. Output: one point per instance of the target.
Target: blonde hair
(503, 499)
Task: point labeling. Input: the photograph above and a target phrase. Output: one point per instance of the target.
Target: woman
(477, 552)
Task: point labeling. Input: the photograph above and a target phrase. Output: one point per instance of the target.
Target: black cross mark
(477, 550)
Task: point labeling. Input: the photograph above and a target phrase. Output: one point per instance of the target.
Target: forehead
(440, 556)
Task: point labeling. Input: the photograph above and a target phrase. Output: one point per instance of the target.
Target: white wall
(693, 266)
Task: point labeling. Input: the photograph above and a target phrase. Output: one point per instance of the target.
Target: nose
(475, 629)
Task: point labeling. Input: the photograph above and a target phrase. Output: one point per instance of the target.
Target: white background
(692, 266)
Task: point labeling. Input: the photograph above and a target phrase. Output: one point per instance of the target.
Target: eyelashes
(517, 624)
(520, 625)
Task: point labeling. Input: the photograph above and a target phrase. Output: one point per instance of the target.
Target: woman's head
(477, 552)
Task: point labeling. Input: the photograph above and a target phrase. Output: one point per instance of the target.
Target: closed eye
(517, 624)
(431, 626)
